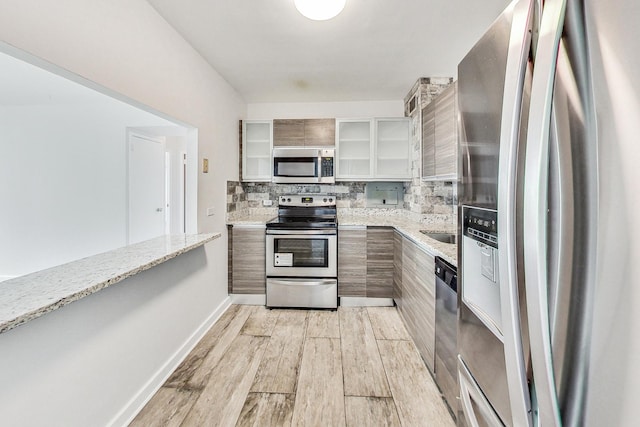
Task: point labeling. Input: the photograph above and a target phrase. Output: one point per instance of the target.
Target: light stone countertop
(396, 218)
(28, 297)
(411, 230)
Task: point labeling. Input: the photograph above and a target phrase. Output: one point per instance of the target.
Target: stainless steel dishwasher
(446, 363)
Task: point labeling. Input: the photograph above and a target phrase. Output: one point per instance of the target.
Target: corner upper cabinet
(440, 136)
(391, 150)
(354, 149)
(373, 149)
(257, 143)
(304, 132)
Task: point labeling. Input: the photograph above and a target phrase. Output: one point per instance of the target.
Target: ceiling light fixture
(320, 10)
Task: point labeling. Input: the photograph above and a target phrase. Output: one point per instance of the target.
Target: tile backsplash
(436, 199)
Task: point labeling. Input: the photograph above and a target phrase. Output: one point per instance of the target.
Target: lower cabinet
(417, 298)
(247, 265)
(397, 268)
(365, 262)
(380, 262)
(352, 261)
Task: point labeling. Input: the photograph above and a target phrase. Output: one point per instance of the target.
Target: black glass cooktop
(302, 222)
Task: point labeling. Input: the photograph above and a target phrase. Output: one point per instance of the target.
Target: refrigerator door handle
(512, 111)
(535, 212)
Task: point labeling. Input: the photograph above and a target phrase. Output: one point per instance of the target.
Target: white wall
(95, 361)
(127, 47)
(63, 181)
(267, 111)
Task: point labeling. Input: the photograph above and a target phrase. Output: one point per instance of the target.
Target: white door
(146, 188)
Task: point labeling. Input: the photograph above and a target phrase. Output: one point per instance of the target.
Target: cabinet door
(418, 298)
(397, 269)
(354, 149)
(288, 132)
(429, 140)
(352, 262)
(248, 260)
(391, 148)
(256, 150)
(379, 262)
(446, 135)
(425, 264)
(320, 132)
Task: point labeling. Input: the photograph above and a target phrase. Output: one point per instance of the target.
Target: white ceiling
(373, 50)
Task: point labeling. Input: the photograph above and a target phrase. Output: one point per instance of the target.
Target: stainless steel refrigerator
(549, 317)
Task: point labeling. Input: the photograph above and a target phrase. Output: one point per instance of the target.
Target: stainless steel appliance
(446, 368)
(549, 152)
(302, 253)
(303, 165)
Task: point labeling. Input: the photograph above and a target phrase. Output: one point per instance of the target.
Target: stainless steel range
(302, 253)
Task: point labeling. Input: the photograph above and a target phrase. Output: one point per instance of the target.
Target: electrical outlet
(205, 166)
(211, 211)
(267, 203)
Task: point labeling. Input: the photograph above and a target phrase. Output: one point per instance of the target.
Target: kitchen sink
(440, 237)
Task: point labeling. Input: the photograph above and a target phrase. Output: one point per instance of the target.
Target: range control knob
(330, 199)
(324, 200)
(289, 199)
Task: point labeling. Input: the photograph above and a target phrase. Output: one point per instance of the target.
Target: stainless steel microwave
(304, 165)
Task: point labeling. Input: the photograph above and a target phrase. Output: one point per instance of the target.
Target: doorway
(147, 190)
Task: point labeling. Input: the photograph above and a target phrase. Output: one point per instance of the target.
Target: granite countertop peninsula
(403, 221)
(28, 297)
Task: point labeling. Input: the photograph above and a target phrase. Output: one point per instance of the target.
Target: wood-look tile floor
(261, 367)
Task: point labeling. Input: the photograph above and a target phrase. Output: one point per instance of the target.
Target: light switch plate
(211, 211)
(267, 203)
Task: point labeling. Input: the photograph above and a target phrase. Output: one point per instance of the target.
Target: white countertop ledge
(28, 297)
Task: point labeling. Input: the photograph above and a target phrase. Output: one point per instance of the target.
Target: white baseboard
(249, 299)
(135, 405)
(365, 302)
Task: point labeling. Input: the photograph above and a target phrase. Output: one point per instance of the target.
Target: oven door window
(304, 252)
(295, 167)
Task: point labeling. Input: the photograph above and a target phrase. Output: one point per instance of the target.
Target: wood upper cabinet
(440, 136)
(248, 260)
(304, 132)
(429, 140)
(446, 132)
(320, 132)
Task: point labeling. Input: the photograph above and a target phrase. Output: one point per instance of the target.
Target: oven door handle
(301, 232)
(302, 282)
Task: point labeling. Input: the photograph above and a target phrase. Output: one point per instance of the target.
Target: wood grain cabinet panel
(397, 268)
(380, 262)
(446, 135)
(418, 298)
(304, 132)
(352, 262)
(440, 135)
(429, 140)
(288, 132)
(248, 260)
(320, 132)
